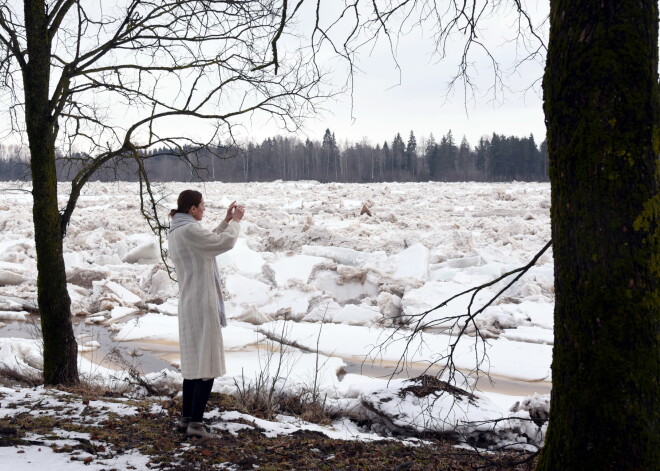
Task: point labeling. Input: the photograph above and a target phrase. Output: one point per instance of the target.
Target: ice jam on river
(320, 294)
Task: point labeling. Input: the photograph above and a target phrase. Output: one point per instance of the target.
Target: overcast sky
(413, 96)
(387, 100)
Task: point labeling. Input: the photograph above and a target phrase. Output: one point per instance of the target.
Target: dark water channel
(149, 356)
(111, 353)
(484, 383)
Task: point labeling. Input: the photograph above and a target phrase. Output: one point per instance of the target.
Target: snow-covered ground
(339, 288)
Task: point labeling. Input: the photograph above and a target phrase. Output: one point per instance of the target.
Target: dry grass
(260, 400)
(10, 377)
(152, 433)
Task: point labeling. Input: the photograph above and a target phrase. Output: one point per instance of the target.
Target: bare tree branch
(10, 36)
(56, 16)
(458, 322)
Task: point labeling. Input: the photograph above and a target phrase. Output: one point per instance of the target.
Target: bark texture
(60, 348)
(600, 95)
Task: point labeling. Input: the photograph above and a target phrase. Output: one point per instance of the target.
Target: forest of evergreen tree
(495, 158)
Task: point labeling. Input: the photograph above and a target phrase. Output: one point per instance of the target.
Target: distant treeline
(498, 158)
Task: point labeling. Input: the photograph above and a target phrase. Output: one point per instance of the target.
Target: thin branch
(461, 321)
(79, 182)
(276, 38)
(12, 41)
(149, 211)
(56, 17)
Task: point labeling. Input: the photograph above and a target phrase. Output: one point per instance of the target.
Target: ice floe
(317, 286)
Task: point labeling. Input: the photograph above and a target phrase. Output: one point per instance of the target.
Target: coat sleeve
(213, 243)
(221, 227)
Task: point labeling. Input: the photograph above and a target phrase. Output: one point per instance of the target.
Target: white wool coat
(193, 250)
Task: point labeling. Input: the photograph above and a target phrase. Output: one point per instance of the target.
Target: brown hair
(186, 200)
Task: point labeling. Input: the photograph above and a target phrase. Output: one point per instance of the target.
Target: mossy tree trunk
(600, 91)
(60, 348)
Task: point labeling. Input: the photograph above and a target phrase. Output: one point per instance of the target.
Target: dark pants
(196, 394)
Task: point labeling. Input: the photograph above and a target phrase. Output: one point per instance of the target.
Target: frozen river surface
(314, 287)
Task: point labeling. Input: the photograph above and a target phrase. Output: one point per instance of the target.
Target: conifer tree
(411, 154)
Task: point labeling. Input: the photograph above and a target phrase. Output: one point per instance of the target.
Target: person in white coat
(193, 249)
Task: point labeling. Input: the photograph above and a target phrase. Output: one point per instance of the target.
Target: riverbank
(322, 299)
(77, 429)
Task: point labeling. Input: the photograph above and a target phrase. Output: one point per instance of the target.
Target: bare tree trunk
(60, 349)
(600, 90)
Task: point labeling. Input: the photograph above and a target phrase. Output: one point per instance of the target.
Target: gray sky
(387, 100)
